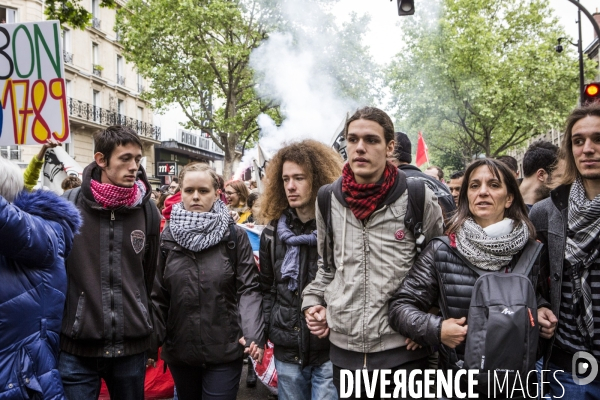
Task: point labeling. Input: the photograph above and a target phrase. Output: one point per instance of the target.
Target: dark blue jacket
(36, 235)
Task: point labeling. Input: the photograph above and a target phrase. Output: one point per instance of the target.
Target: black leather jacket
(286, 326)
(438, 278)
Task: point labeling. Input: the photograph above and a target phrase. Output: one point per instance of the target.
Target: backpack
(152, 236)
(503, 329)
(413, 220)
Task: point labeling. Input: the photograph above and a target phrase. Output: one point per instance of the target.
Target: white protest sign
(32, 86)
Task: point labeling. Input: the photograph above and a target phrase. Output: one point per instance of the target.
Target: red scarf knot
(364, 198)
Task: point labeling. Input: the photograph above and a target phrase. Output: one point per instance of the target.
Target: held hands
(454, 332)
(316, 320)
(253, 351)
(547, 321)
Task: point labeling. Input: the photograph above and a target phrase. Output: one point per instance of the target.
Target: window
(120, 107)
(66, 40)
(97, 104)
(96, 8)
(120, 71)
(10, 152)
(8, 15)
(140, 83)
(68, 87)
(140, 113)
(95, 53)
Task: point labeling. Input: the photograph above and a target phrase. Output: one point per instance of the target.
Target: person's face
(232, 196)
(296, 185)
(197, 191)
(256, 207)
(454, 187)
(367, 150)
(488, 197)
(586, 147)
(173, 187)
(432, 173)
(123, 166)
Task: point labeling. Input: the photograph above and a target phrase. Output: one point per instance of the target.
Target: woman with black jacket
(490, 232)
(206, 296)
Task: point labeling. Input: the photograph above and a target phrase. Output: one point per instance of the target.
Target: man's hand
(411, 344)
(454, 332)
(316, 320)
(547, 321)
(253, 350)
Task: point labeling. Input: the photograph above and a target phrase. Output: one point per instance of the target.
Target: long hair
(517, 210)
(242, 192)
(566, 149)
(320, 162)
(11, 179)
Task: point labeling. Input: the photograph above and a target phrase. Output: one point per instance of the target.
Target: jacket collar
(560, 197)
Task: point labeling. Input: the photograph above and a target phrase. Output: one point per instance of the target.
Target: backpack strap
(446, 241)
(415, 210)
(232, 246)
(530, 253)
(324, 202)
(72, 195)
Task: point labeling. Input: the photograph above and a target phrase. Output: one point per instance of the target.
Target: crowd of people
(367, 264)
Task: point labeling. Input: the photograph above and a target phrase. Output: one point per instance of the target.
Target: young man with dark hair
(568, 224)
(454, 185)
(402, 158)
(539, 162)
(107, 327)
(288, 263)
(372, 251)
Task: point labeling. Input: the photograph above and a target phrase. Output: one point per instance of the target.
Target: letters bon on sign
(32, 85)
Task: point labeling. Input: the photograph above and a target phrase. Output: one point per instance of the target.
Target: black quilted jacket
(438, 278)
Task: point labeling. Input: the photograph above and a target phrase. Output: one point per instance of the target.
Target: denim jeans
(569, 389)
(124, 376)
(208, 382)
(308, 383)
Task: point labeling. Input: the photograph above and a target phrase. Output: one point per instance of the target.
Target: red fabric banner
(422, 156)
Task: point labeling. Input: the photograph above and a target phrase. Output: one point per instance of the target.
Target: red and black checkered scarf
(363, 198)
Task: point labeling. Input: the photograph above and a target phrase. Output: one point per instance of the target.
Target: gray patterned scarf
(197, 231)
(581, 251)
(489, 253)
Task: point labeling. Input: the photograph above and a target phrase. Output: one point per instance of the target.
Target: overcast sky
(385, 37)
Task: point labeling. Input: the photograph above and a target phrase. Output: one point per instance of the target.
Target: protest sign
(32, 86)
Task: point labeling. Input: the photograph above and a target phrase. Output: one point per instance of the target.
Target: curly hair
(322, 165)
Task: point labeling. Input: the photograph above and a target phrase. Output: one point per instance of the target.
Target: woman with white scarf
(490, 230)
(206, 299)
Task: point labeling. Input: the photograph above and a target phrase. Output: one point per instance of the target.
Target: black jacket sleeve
(539, 218)
(160, 300)
(250, 299)
(409, 306)
(267, 275)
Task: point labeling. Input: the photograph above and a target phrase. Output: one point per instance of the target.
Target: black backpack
(413, 220)
(503, 328)
(152, 236)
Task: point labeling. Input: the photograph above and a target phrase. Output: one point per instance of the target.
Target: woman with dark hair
(489, 231)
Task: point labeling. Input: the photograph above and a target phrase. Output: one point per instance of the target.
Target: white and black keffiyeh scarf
(489, 253)
(197, 231)
(581, 251)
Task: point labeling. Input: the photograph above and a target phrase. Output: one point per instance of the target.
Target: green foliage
(482, 76)
(197, 50)
(71, 12)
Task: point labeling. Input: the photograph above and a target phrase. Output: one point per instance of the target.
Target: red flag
(422, 156)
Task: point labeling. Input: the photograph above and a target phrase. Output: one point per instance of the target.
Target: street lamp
(406, 7)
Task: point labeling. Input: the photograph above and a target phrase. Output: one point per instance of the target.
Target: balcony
(98, 115)
(120, 80)
(67, 57)
(96, 23)
(140, 88)
(97, 70)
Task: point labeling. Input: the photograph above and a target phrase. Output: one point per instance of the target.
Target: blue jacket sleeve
(24, 237)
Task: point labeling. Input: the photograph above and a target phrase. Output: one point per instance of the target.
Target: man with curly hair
(288, 261)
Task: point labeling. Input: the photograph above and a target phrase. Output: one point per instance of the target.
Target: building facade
(102, 88)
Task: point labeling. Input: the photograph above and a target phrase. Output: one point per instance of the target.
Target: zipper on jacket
(111, 237)
(365, 308)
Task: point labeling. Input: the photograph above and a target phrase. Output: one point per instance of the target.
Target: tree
(197, 51)
(484, 76)
(71, 12)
